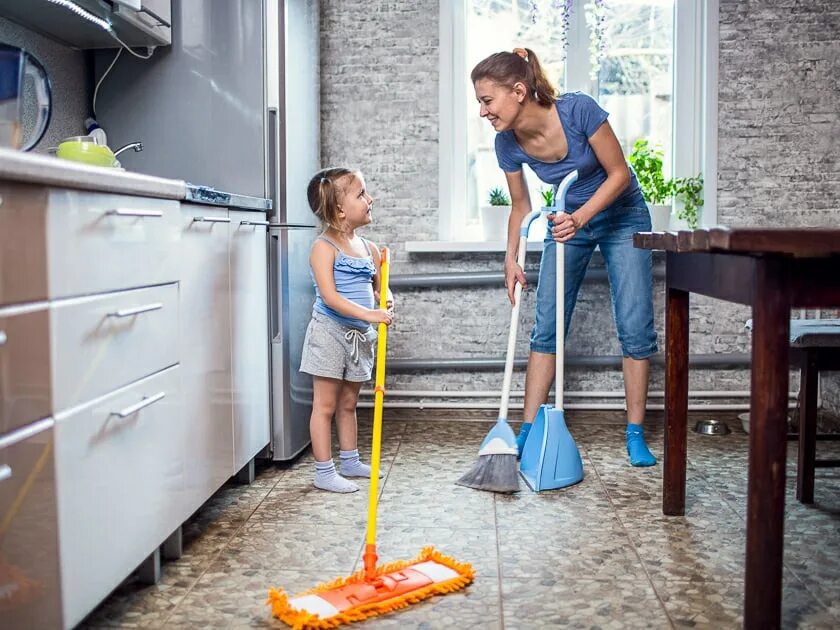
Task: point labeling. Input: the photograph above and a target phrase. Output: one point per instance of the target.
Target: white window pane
(494, 26)
(635, 81)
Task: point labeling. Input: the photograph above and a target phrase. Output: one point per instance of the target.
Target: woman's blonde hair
(324, 192)
(521, 66)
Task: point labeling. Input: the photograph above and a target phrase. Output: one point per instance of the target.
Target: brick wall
(380, 113)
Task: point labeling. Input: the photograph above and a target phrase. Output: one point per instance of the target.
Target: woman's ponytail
(519, 66)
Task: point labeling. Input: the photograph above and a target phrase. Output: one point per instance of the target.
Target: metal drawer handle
(124, 212)
(3, 338)
(265, 223)
(138, 406)
(211, 219)
(137, 310)
(5, 472)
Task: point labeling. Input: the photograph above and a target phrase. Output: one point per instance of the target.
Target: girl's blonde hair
(324, 192)
(508, 68)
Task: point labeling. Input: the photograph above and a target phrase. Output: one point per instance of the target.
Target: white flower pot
(660, 217)
(494, 222)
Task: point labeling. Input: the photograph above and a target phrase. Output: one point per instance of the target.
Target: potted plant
(548, 198)
(494, 216)
(660, 192)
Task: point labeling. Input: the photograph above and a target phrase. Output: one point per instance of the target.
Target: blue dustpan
(550, 457)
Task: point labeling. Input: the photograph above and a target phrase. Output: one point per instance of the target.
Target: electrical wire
(128, 48)
(102, 78)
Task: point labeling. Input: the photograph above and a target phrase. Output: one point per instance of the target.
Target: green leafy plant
(647, 163)
(498, 197)
(548, 196)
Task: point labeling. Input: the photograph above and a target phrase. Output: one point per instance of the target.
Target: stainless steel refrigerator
(234, 104)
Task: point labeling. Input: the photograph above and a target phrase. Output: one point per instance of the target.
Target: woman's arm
(322, 259)
(608, 151)
(520, 207)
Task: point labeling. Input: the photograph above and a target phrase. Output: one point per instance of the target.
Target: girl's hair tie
(325, 180)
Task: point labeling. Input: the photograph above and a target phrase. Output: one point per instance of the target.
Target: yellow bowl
(87, 153)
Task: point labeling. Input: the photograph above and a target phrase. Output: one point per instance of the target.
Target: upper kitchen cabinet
(95, 23)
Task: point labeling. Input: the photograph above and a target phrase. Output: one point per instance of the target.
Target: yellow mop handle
(378, 401)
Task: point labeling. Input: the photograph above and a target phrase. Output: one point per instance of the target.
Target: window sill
(441, 247)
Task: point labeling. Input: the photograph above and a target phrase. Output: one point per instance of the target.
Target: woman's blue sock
(638, 451)
(523, 435)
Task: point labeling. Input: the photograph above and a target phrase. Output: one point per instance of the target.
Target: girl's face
(499, 104)
(355, 202)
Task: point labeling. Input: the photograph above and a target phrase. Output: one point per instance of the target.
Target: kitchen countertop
(48, 170)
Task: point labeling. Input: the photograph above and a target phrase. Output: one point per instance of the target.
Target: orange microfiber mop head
(395, 586)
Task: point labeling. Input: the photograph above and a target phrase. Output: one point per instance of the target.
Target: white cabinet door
(204, 326)
(120, 477)
(249, 334)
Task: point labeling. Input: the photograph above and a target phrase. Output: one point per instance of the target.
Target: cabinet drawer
(24, 366)
(29, 541)
(120, 471)
(108, 341)
(23, 243)
(102, 242)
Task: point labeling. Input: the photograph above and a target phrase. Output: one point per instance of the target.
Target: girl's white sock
(326, 478)
(352, 467)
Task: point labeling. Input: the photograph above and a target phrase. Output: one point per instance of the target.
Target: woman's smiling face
(499, 104)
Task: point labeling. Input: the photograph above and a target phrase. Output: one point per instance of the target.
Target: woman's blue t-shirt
(581, 117)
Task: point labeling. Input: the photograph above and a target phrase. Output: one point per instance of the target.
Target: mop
(373, 590)
(550, 457)
(495, 469)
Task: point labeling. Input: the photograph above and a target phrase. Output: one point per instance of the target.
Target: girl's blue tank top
(353, 281)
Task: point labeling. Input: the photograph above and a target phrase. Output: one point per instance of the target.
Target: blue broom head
(550, 458)
(500, 440)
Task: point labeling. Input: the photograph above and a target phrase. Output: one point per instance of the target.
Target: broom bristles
(494, 473)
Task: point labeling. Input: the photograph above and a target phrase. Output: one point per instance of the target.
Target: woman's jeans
(630, 272)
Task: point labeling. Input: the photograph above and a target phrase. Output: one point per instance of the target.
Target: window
(651, 78)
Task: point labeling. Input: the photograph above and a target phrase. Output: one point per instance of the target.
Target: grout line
(499, 564)
(629, 539)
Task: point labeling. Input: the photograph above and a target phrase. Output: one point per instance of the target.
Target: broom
(495, 469)
(373, 590)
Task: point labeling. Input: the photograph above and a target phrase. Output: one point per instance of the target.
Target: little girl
(339, 345)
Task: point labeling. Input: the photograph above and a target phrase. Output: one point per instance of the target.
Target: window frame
(695, 106)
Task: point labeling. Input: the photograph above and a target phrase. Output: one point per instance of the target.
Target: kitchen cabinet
(249, 337)
(136, 22)
(204, 335)
(134, 374)
(121, 476)
(29, 570)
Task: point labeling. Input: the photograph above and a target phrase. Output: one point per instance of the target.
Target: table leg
(768, 445)
(676, 401)
(807, 428)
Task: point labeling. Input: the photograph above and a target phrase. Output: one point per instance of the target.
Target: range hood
(138, 23)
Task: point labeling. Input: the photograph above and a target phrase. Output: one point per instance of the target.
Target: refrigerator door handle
(273, 165)
(293, 226)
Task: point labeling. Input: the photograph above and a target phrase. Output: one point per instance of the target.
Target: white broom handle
(514, 325)
(560, 324)
(560, 319)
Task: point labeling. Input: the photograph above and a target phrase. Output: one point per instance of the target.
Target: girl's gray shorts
(333, 350)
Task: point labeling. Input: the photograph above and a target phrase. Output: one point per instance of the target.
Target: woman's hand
(513, 274)
(565, 225)
(378, 316)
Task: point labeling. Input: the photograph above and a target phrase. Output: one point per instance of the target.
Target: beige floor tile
(575, 601)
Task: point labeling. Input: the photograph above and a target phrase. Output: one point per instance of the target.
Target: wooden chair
(814, 347)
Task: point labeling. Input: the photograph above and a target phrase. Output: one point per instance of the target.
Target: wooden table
(772, 270)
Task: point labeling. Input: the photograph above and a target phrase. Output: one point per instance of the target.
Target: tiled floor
(599, 554)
